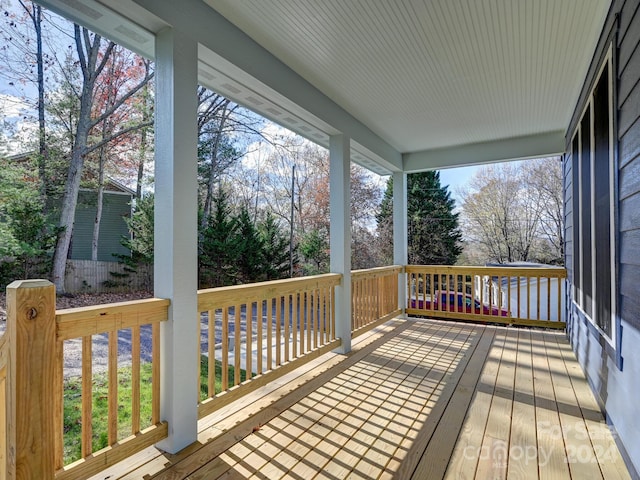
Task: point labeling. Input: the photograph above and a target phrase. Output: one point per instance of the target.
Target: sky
(457, 177)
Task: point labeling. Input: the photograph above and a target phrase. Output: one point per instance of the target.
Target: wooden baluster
(287, 319)
(259, 320)
(333, 313)
(249, 340)
(519, 289)
(135, 379)
(155, 373)
(294, 325)
(86, 447)
(211, 365)
(113, 388)
(237, 314)
(548, 298)
(270, 334)
(509, 279)
(528, 298)
(278, 331)
(308, 320)
(538, 295)
(322, 315)
(559, 284)
(224, 351)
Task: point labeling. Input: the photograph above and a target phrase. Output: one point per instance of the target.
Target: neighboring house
(115, 208)
(602, 222)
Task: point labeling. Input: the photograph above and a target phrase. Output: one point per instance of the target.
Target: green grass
(73, 405)
(204, 375)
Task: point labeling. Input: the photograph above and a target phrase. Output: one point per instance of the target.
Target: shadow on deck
(416, 398)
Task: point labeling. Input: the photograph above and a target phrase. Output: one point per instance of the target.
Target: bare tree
(22, 50)
(512, 211)
(93, 56)
(544, 177)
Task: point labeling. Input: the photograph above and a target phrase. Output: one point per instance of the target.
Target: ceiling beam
(518, 148)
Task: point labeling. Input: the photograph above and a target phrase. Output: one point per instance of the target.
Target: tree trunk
(214, 156)
(143, 142)
(74, 174)
(96, 224)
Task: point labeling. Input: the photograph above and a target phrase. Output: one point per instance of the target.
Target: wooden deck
(415, 399)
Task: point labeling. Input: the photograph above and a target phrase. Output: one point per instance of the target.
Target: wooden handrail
(229, 296)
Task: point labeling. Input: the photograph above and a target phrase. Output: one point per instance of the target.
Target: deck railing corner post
(31, 380)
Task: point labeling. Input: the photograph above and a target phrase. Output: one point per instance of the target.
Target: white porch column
(340, 208)
(175, 270)
(400, 238)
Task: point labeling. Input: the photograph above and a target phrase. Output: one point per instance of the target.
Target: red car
(453, 302)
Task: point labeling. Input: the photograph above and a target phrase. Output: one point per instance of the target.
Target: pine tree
(434, 235)
(219, 247)
(385, 225)
(275, 249)
(251, 261)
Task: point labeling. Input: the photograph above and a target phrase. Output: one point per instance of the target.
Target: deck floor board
(415, 399)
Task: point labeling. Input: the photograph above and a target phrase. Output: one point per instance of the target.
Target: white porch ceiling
(415, 84)
(426, 75)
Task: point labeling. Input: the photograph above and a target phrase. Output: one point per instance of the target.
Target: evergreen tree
(25, 245)
(275, 249)
(315, 248)
(251, 261)
(141, 225)
(219, 246)
(434, 236)
(139, 242)
(385, 225)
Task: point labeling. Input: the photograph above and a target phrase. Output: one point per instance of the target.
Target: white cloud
(12, 107)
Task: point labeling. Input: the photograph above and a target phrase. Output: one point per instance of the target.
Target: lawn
(73, 403)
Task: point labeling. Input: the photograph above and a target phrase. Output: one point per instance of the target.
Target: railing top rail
(556, 272)
(377, 271)
(97, 319)
(227, 296)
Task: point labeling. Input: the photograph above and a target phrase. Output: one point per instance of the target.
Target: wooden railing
(252, 334)
(374, 297)
(507, 295)
(4, 434)
(37, 344)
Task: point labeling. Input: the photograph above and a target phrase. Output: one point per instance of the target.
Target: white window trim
(611, 340)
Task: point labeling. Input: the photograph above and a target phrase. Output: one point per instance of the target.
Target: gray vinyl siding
(613, 372)
(115, 207)
(629, 154)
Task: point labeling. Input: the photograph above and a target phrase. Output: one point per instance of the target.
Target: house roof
(416, 84)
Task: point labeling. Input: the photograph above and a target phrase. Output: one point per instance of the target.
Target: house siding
(112, 227)
(613, 372)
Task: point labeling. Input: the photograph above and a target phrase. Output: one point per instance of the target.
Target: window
(593, 209)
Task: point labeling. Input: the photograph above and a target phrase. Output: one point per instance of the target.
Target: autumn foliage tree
(93, 56)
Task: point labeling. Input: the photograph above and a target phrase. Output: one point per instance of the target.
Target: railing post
(31, 374)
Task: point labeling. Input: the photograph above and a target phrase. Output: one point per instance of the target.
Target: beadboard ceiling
(431, 74)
